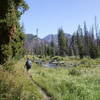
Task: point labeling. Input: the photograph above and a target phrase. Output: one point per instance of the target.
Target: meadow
(81, 82)
(76, 83)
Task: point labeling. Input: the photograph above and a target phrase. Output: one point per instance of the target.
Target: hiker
(28, 64)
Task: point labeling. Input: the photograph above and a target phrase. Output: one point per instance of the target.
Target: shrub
(74, 71)
(5, 52)
(87, 62)
(58, 58)
(9, 66)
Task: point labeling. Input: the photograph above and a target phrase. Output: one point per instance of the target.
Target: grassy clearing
(80, 83)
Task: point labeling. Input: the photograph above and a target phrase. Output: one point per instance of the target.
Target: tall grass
(16, 85)
(80, 83)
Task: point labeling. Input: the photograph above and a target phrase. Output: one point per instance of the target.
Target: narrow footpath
(46, 95)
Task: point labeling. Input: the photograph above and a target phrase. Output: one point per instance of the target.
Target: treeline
(83, 43)
(11, 32)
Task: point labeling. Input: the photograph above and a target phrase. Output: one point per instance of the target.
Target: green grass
(78, 83)
(16, 85)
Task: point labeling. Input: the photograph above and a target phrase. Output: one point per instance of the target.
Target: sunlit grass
(82, 84)
(76, 83)
(16, 85)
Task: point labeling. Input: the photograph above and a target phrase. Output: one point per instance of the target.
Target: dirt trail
(42, 90)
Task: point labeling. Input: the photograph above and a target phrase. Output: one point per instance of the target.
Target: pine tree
(11, 34)
(73, 44)
(52, 45)
(86, 40)
(80, 42)
(93, 48)
(97, 36)
(61, 42)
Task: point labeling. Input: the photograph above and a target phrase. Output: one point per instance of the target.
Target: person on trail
(28, 64)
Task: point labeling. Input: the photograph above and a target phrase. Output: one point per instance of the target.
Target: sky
(50, 15)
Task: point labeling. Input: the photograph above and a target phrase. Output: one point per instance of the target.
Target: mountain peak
(49, 37)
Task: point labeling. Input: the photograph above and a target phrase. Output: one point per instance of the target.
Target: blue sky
(49, 15)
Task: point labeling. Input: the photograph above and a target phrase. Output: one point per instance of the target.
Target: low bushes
(9, 66)
(57, 58)
(74, 71)
(87, 63)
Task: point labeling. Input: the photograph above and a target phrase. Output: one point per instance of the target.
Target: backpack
(28, 63)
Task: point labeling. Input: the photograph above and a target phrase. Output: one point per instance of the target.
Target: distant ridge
(48, 38)
(32, 41)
